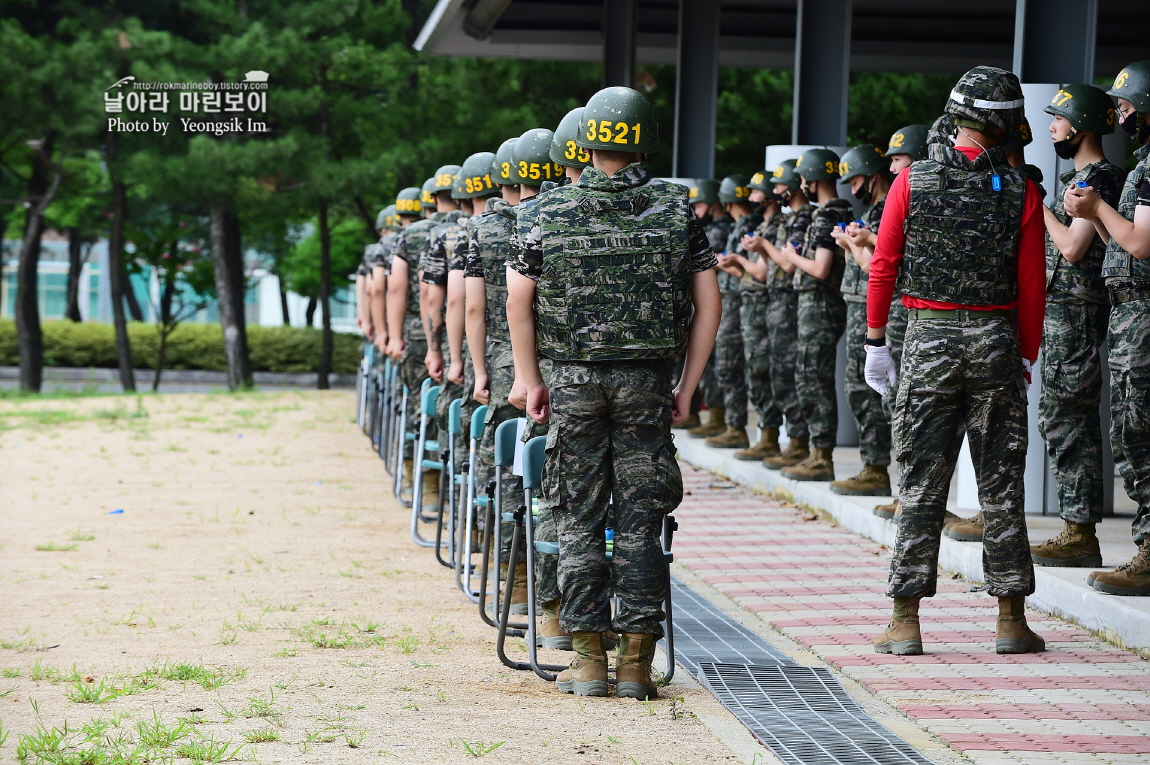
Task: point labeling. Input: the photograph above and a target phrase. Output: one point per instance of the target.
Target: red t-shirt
(888, 251)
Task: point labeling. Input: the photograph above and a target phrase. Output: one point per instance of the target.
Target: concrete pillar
(696, 89)
(1054, 40)
(822, 72)
(619, 43)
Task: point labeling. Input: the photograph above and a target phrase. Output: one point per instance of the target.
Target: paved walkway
(1083, 701)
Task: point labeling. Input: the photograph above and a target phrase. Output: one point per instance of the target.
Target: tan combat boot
(692, 422)
(633, 667)
(731, 438)
(550, 634)
(965, 529)
(519, 589)
(817, 467)
(888, 511)
(587, 675)
(873, 481)
(1077, 546)
(430, 487)
(902, 636)
(716, 424)
(408, 469)
(768, 446)
(1012, 635)
(797, 451)
(1131, 578)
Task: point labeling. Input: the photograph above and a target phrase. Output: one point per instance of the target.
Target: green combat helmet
(445, 178)
(388, 218)
(1133, 84)
(474, 178)
(501, 165)
(1019, 138)
(427, 194)
(865, 159)
(785, 175)
(531, 159)
(1085, 107)
(734, 188)
(704, 190)
(763, 182)
(564, 151)
(408, 201)
(618, 119)
(818, 165)
(909, 140)
(986, 96)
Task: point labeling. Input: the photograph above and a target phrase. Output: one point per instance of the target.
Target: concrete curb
(1062, 592)
(200, 376)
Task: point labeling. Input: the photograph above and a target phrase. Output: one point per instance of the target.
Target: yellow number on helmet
(506, 170)
(621, 136)
(605, 131)
(831, 166)
(844, 168)
(636, 128)
(1121, 79)
(897, 139)
(694, 192)
(778, 172)
(757, 178)
(523, 169)
(1109, 116)
(534, 173)
(590, 130)
(584, 155)
(570, 153)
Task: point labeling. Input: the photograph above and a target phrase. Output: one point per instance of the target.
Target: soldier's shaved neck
(526, 192)
(509, 193)
(467, 206)
(573, 173)
(825, 191)
(738, 210)
(611, 162)
(444, 202)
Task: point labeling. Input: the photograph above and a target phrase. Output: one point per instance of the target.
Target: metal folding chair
(468, 508)
(428, 395)
(388, 384)
(361, 388)
(399, 439)
(450, 482)
(506, 444)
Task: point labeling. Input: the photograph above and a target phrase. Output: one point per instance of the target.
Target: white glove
(880, 373)
(1028, 372)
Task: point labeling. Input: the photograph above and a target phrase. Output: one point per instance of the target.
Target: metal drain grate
(805, 716)
(704, 633)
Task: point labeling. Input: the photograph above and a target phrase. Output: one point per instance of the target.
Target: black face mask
(1137, 127)
(1066, 149)
(785, 197)
(1129, 124)
(863, 194)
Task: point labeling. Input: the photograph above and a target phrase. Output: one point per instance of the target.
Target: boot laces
(1139, 564)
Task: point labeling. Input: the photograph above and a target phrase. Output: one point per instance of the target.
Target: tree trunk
(115, 269)
(134, 309)
(309, 314)
(226, 259)
(30, 341)
(75, 265)
(324, 297)
(283, 302)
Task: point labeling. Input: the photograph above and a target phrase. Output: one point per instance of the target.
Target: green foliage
(191, 346)
(301, 267)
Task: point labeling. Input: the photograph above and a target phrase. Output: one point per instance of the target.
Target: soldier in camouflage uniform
(963, 236)
(1126, 270)
(614, 279)
(376, 289)
(1074, 329)
(864, 168)
(704, 200)
(818, 273)
(749, 265)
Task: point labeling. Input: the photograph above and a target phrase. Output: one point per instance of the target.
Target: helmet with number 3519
(564, 150)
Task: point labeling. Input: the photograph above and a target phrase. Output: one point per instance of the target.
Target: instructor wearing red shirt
(963, 237)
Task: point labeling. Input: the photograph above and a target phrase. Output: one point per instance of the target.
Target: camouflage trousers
(956, 372)
(611, 462)
(500, 376)
(895, 334)
(757, 358)
(865, 402)
(782, 341)
(1129, 340)
(729, 361)
(1068, 409)
(822, 319)
(546, 566)
(449, 392)
(412, 373)
(709, 389)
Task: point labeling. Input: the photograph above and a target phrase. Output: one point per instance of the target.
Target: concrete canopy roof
(887, 35)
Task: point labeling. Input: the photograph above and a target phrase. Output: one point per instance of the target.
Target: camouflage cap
(474, 178)
(388, 218)
(501, 165)
(531, 159)
(618, 119)
(864, 159)
(987, 96)
(818, 165)
(407, 201)
(1133, 84)
(564, 150)
(427, 194)
(734, 188)
(1019, 138)
(1085, 107)
(785, 175)
(908, 140)
(704, 190)
(445, 177)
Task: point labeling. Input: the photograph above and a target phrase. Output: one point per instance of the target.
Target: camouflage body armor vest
(614, 284)
(1083, 279)
(1120, 268)
(855, 282)
(833, 212)
(777, 278)
(492, 238)
(767, 229)
(962, 235)
(415, 240)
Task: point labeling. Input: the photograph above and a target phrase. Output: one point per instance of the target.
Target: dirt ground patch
(202, 577)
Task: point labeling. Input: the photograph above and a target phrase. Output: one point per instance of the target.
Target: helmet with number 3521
(618, 119)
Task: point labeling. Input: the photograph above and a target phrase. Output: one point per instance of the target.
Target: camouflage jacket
(409, 248)
(818, 235)
(768, 229)
(718, 232)
(488, 249)
(855, 282)
(1122, 271)
(793, 229)
(433, 262)
(1081, 280)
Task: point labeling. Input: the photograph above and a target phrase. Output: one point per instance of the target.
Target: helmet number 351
(613, 132)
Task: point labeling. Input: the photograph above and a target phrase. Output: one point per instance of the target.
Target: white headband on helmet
(979, 103)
